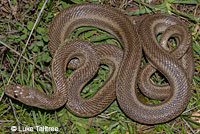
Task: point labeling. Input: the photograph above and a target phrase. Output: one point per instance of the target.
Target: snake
(160, 92)
(124, 65)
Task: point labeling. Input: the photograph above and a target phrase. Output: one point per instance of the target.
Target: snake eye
(15, 96)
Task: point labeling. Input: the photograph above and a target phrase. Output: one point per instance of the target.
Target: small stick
(18, 54)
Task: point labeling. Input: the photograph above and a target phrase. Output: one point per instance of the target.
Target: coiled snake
(177, 66)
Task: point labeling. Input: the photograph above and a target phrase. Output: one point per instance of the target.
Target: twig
(70, 126)
(191, 109)
(5, 111)
(14, 112)
(19, 54)
(27, 41)
(60, 123)
(89, 123)
(2, 80)
(1, 96)
(22, 54)
(188, 126)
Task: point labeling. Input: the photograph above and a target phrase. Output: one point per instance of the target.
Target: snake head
(20, 93)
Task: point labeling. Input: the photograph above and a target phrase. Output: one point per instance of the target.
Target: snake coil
(124, 65)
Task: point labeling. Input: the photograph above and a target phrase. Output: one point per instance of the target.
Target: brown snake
(124, 66)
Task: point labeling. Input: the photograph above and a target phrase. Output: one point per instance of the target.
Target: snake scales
(177, 65)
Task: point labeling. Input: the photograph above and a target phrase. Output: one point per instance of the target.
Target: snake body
(183, 52)
(169, 66)
(124, 66)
